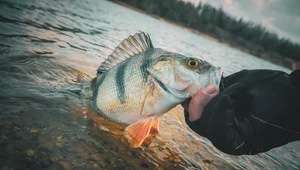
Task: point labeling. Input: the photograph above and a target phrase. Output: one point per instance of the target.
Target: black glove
(255, 111)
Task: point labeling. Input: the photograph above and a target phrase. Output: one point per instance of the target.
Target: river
(43, 125)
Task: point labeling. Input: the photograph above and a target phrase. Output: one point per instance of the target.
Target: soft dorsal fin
(131, 46)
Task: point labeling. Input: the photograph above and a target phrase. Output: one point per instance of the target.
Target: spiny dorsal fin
(131, 46)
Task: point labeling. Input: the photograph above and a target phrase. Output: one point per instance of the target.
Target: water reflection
(43, 120)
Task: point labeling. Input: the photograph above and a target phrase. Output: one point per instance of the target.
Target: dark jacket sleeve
(255, 111)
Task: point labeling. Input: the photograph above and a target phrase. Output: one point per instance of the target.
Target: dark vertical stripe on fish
(146, 62)
(96, 83)
(120, 81)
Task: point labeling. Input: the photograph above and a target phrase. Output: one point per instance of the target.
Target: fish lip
(221, 85)
(220, 77)
(216, 77)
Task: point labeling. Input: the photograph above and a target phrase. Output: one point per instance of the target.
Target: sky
(279, 16)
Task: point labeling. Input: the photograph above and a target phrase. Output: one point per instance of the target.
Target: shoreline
(286, 62)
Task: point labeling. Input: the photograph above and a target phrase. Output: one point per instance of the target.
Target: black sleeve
(255, 111)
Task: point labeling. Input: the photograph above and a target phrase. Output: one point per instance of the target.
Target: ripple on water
(44, 120)
(5, 49)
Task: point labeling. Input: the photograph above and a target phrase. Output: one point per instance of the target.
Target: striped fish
(138, 83)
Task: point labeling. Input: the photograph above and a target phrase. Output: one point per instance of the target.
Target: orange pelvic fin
(83, 77)
(138, 132)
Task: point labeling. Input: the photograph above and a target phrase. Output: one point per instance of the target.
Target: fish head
(183, 76)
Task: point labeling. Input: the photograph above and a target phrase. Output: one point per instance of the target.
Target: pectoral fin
(150, 91)
(138, 132)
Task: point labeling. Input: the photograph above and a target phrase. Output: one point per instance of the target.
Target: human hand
(197, 103)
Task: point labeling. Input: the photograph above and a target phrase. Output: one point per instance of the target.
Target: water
(43, 124)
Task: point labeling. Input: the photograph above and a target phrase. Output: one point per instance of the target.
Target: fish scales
(124, 86)
(138, 83)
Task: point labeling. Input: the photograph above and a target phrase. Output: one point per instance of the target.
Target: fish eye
(192, 63)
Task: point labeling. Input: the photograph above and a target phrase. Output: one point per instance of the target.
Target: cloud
(259, 3)
(266, 23)
(229, 2)
(279, 16)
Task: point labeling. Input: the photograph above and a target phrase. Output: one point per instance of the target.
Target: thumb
(200, 100)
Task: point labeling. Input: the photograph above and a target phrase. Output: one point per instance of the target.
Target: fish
(138, 83)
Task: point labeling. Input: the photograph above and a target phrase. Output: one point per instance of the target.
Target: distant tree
(142, 4)
(210, 20)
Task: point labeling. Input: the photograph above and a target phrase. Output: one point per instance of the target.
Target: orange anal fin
(155, 128)
(153, 132)
(83, 77)
(137, 132)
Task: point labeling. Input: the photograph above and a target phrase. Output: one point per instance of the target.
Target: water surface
(43, 118)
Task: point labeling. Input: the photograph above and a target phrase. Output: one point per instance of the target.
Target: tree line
(215, 22)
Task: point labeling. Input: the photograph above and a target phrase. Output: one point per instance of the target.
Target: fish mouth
(218, 77)
(188, 90)
(215, 77)
(222, 86)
